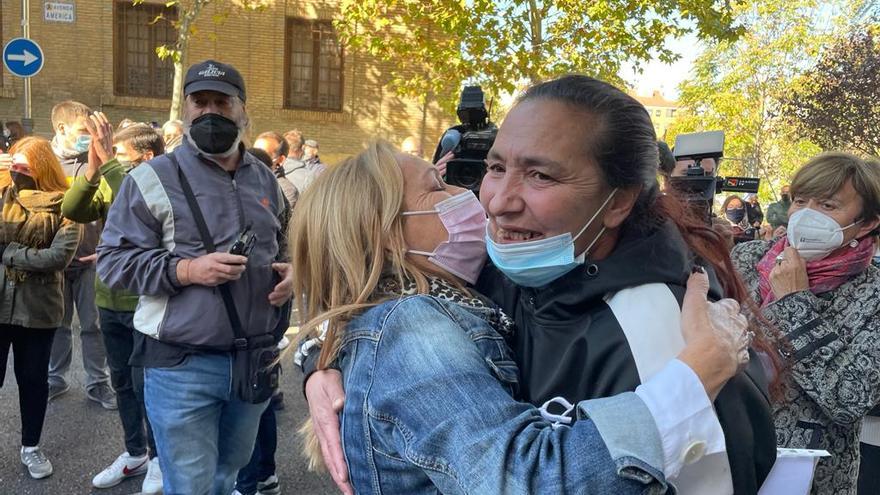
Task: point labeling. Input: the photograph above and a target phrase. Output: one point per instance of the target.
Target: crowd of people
(575, 328)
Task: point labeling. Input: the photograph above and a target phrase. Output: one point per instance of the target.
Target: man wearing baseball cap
(153, 247)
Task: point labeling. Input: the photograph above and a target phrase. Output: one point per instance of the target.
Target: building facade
(102, 53)
(662, 111)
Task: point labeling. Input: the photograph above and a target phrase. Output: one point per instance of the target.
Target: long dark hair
(624, 146)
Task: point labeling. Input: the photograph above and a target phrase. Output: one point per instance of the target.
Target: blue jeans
(262, 463)
(204, 434)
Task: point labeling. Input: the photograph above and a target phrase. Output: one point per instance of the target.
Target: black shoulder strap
(207, 240)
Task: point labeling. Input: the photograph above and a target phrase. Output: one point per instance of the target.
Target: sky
(665, 77)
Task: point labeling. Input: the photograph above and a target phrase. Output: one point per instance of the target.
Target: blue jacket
(150, 228)
(412, 422)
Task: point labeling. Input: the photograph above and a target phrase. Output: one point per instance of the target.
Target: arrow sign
(23, 57)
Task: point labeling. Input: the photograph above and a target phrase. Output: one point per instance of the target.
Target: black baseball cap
(214, 76)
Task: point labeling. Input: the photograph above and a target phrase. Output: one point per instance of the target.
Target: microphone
(448, 142)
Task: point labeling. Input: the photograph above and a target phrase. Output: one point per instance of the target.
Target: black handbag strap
(240, 341)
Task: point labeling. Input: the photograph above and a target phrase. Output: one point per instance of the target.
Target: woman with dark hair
(590, 260)
(36, 243)
(736, 213)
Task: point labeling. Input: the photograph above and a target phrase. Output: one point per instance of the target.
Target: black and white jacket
(606, 326)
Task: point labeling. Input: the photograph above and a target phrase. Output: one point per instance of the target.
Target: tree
(738, 86)
(434, 45)
(188, 12)
(836, 104)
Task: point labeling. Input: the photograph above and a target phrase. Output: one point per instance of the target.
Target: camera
(470, 141)
(245, 243)
(700, 183)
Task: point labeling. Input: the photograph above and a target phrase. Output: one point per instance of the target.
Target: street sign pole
(27, 122)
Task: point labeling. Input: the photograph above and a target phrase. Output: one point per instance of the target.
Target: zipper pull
(234, 186)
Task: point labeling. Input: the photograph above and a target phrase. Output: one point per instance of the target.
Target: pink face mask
(464, 254)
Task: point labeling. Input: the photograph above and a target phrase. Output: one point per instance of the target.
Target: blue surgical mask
(537, 263)
(82, 143)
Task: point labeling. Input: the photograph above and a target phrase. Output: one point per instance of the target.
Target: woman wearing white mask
(818, 286)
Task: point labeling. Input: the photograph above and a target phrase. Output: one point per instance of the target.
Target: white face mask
(814, 234)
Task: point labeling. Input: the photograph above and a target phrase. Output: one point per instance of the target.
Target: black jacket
(568, 342)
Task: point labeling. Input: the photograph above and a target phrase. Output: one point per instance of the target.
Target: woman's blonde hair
(346, 233)
(825, 174)
(44, 165)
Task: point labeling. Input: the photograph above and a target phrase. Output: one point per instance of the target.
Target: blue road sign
(23, 57)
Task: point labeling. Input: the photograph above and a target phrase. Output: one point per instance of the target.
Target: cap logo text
(212, 71)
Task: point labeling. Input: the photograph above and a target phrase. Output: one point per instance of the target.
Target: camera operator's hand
(441, 163)
(211, 270)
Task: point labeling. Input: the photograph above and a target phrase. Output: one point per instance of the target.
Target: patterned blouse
(832, 351)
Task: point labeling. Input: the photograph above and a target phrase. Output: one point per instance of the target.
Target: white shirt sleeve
(688, 426)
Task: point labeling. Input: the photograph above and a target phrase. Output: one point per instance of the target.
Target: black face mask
(786, 198)
(22, 181)
(735, 215)
(213, 134)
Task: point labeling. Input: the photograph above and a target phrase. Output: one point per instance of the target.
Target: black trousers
(31, 348)
(869, 470)
(117, 328)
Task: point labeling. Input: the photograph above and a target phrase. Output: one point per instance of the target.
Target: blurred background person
(818, 286)
(310, 156)
(172, 133)
(71, 146)
(287, 188)
(12, 132)
(36, 243)
(735, 212)
(777, 213)
(295, 168)
(753, 210)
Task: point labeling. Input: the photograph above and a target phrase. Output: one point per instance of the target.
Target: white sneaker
(153, 481)
(125, 466)
(269, 486)
(37, 464)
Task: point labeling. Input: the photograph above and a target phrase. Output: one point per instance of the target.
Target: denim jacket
(429, 409)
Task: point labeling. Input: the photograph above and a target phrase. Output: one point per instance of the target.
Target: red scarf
(825, 274)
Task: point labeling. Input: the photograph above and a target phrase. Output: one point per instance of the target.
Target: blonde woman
(818, 285)
(383, 251)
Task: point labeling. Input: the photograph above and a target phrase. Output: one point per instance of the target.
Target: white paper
(792, 474)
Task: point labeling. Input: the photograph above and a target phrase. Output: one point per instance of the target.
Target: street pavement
(81, 438)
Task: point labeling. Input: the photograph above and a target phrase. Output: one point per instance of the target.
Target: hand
(89, 259)
(101, 147)
(441, 163)
(284, 290)
(211, 270)
(716, 335)
(780, 231)
(789, 275)
(326, 398)
(5, 161)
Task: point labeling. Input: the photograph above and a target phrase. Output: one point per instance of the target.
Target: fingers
(697, 291)
(326, 398)
(229, 259)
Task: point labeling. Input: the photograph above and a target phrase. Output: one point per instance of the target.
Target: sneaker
(153, 481)
(37, 464)
(104, 395)
(269, 486)
(56, 389)
(277, 401)
(125, 466)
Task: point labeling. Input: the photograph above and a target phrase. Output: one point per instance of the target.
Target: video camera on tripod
(470, 142)
(700, 184)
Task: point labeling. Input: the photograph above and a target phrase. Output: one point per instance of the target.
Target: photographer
(206, 317)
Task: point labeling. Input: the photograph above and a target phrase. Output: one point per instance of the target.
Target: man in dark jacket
(71, 146)
(777, 213)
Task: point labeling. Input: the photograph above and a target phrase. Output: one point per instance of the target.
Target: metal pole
(27, 122)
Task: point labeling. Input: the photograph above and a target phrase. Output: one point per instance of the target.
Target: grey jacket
(150, 228)
(37, 301)
(299, 174)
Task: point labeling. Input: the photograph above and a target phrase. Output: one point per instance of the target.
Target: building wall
(662, 111)
(79, 65)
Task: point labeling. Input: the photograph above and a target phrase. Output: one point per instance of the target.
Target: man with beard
(186, 335)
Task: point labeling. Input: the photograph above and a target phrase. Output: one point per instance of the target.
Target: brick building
(101, 52)
(662, 111)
